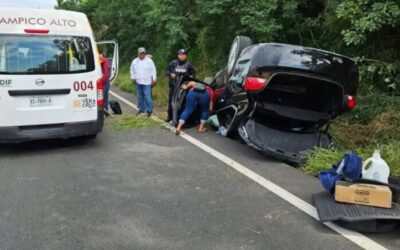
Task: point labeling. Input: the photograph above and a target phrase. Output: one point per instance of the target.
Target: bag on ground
(115, 107)
(348, 169)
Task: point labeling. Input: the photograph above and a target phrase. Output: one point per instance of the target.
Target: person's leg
(170, 96)
(148, 100)
(105, 95)
(140, 98)
(204, 100)
(190, 106)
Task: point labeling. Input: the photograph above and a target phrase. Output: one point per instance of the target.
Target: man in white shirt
(144, 74)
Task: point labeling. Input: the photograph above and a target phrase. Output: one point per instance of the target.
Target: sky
(42, 4)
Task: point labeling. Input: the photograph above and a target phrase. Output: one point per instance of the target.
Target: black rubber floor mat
(330, 210)
(371, 226)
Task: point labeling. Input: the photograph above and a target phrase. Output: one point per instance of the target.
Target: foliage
(373, 125)
(374, 26)
(367, 16)
(370, 106)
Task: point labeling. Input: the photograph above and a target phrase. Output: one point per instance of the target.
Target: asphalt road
(149, 189)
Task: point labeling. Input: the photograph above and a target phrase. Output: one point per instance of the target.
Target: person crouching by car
(144, 74)
(180, 66)
(199, 95)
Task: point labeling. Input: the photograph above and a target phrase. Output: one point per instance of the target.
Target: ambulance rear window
(22, 54)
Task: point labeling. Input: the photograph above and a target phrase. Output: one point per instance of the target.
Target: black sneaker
(149, 114)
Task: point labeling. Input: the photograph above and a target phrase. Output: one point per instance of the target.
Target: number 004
(83, 85)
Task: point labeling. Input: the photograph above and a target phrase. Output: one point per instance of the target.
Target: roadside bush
(383, 129)
(371, 103)
(382, 132)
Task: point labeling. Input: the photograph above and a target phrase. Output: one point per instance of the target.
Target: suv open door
(110, 51)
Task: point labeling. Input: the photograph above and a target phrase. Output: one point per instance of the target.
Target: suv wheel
(238, 45)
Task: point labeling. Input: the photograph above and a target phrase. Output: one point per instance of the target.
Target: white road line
(357, 238)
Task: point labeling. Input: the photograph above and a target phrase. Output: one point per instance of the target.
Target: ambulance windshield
(22, 54)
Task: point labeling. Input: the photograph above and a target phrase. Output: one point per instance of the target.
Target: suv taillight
(351, 102)
(100, 100)
(254, 84)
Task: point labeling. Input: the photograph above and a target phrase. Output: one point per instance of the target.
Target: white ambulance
(50, 75)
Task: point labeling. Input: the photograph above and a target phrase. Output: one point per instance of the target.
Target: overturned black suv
(282, 98)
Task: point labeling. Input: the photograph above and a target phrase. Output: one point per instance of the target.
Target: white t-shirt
(143, 71)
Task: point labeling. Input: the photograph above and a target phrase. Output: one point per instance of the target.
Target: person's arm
(132, 69)
(153, 73)
(189, 85)
(211, 106)
(170, 70)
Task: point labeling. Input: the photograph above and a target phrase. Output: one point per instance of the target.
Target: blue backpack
(348, 169)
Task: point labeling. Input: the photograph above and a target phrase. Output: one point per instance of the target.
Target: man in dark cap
(179, 66)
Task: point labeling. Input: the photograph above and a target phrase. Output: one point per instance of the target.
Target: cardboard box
(364, 194)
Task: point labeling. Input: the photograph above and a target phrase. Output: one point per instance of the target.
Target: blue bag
(348, 169)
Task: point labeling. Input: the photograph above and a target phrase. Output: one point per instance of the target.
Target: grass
(373, 125)
(371, 105)
(130, 122)
(124, 80)
(324, 158)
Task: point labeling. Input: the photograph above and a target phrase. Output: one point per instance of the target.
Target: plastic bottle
(378, 169)
(222, 131)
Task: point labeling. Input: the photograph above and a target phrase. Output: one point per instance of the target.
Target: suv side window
(220, 79)
(239, 74)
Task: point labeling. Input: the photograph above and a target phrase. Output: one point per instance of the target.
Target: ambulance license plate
(40, 101)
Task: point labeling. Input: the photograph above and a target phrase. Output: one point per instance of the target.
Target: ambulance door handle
(39, 82)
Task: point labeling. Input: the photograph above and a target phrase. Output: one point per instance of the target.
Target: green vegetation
(324, 158)
(374, 124)
(366, 30)
(124, 123)
(124, 80)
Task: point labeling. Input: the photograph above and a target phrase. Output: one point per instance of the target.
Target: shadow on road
(46, 145)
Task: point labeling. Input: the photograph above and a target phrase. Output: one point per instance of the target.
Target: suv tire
(238, 45)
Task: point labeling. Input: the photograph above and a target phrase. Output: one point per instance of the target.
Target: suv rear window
(21, 54)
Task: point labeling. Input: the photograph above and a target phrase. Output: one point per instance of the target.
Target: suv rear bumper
(54, 131)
